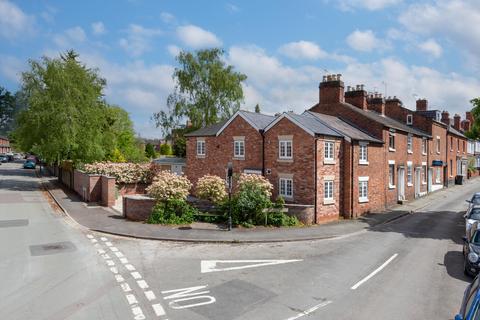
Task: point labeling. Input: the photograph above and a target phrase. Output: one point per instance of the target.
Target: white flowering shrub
(167, 186)
(211, 188)
(257, 181)
(124, 172)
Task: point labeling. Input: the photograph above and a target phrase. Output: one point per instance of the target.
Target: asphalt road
(411, 268)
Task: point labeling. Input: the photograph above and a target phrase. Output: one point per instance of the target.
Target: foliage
(249, 180)
(117, 156)
(174, 211)
(124, 172)
(180, 147)
(7, 111)
(472, 165)
(206, 91)
(211, 188)
(257, 108)
(474, 133)
(149, 151)
(168, 186)
(166, 149)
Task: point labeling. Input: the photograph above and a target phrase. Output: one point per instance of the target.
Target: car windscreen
(476, 199)
(474, 214)
(476, 238)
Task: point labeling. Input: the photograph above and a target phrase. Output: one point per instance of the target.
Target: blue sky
(411, 49)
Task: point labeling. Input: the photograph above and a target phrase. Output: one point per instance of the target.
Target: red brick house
(4, 145)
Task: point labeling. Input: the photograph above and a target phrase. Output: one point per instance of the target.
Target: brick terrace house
(4, 145)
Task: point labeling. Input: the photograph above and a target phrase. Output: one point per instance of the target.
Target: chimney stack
(422, 105)
(356, 96)
(466, 125)
(376, 103)
(446, 117)
(469, 117)
(456, 121)
(332, 89)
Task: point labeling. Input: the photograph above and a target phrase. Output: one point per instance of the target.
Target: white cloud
(167, 17)
(13, 21)
(196, 37)
(173, 50)
(365, 41)
(98, 28)
(70, 38)
(11, 68)
(302, 50)
(431, 47)
(138, 39)
(366, 4)
(454, 20)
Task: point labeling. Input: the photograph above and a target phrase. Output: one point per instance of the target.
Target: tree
(67, 117)
(474, 132)
(7, 111)
(257, 108)
(149, 151)
(166, 149)
(206, 91)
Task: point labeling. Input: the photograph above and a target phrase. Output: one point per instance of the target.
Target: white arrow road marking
(211, 265)
(359, 283)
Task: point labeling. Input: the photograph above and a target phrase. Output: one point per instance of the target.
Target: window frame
(363, 186)
(283, 184)
(409, 143)
(391, 175)
(285, 143)
(204, 148)
(409, 119)
(437, 147)
(363, 155)
(242, 143)
(328, 191)
(409, 173)
(424, 146)
(438, 175)
(391, 140)
(330, 150)
(425, 173)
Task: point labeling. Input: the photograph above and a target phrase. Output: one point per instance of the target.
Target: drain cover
(13, 223)
(52, 248)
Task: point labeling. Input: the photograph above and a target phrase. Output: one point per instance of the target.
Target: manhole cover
(13, 223)
(52, 248)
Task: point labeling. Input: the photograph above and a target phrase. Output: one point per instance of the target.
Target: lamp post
(229, 181)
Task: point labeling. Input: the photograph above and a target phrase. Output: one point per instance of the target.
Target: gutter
(262, 133)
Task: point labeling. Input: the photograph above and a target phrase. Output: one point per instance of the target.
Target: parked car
(471, 251)
(29, 164)
(471, 216)
(470, 308)
(475, 200)
(3, 158)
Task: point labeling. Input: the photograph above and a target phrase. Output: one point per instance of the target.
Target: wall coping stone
(138, 197)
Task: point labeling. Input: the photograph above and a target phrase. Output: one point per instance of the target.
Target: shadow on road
(453, 262)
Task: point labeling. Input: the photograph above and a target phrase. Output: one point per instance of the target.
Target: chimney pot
(339, 76)
(324, 78)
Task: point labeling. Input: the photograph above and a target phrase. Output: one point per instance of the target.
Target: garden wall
(94, 187)
(131, 188)
(304, 213)
(137, 207)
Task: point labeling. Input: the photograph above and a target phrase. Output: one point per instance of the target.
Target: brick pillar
(108, 191)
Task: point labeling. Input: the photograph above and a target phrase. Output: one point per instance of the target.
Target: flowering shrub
(168, 186)
(211, 188)
(124, 172)
(248, 181)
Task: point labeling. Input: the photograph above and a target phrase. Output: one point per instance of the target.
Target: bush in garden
(174, 211)
(211, 188)
(169, 186)
(124, 172)
(260, 182)
(166, 149)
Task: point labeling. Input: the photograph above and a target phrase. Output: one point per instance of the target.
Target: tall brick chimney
(356, 96)
(376, 103)
(466, 125)
(331, 89)
(469, 116)
(456, 121)
(446, 117)
(393, 102)
(422, 105)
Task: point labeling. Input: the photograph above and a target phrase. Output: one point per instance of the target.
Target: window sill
(438, 152)
(329, 161)
(285, 160)
(391, 149)
(391, 187)
(363, 163)
(362, 200)
(328, 201)
(409, 151)
(424, 153)
(286, 198)
(238, 158)
(424, 183)
(409, 184)
(200, 156)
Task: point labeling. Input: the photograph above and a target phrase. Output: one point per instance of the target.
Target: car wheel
(465, 268)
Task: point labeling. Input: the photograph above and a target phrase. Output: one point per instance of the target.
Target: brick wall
(131, 188)
(137, 207)
(108, 191)
(219, 151)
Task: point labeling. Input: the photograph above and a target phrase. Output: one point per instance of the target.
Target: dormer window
(409, 119)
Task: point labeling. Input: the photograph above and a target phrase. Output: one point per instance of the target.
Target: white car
(475, 200)
(471, 216)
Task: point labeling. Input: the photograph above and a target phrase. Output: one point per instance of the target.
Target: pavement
(106, 220)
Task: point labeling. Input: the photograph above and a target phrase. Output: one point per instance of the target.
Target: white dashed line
(105, 256)
(359, 283)
(138, 313)
(125, 287)
(103, 239)
(124, 260)
(94, 240)
(309, 311)
(142, 284)
(119, 278)
(131, 298)
(101, 251)
(114, 249)
(129, 267)
(110, 263)
(89, 236)
(119, 254)
(136, 275)
(114, 270)
(150, 295)
(159, 311)
(108, 244)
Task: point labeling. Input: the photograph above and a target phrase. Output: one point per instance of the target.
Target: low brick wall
(108, 191)
(125, 189)
(304, 213)
(137, 207)
(88, 186)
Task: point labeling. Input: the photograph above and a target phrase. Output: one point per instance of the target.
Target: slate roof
(343, 127)
(455, 132)
(386, 121)
(210, 130)
(314, 125)
(259, 119)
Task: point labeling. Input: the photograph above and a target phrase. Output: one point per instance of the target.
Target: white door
(417, 182)
(430, 179)
(401, 184)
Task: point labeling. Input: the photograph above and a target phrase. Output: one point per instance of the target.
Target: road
(411, 268)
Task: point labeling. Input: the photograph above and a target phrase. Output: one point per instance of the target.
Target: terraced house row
(349, 154)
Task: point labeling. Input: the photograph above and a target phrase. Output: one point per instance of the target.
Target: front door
(401, 184)
(417, 182)
(430, 179)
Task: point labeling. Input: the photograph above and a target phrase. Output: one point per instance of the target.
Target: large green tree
(7, 111)
(474, 133)
(207, 91)
(66, 114)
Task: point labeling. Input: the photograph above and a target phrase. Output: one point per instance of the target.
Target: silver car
(471, 216)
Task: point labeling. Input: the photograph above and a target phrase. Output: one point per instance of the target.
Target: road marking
(188, 294)
(123, 260)
(159, 311)
(119, 254)
(114, 270)
(311, 310)
(142, 284)
(114, 249)
(101, 251)
(108, 244)
(105, 256)
(119, 278)
(131, 298)
(359, 283)
(136, 275)
(138, 313)
(89, 236)
(94, 240)
(104, 239)
(129, 267)
(211, 265)
(110, 263)
(125, 287)
(150, 295)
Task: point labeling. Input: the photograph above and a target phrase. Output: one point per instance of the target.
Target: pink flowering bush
(167, 186)
(254, 180)
(211, 188)
(124, 172)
